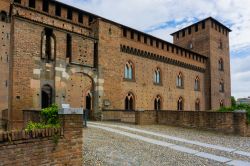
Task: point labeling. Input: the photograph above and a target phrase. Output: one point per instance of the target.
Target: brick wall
(119, 115)
(226, 122)
(146, 117)
(115, 87)
(39, 147)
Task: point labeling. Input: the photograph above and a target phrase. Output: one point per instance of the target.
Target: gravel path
(107, 148)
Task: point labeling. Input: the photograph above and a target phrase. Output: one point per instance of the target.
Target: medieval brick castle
(54, 53)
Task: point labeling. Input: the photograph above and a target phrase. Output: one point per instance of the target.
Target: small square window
(69, 14)
(196, 28)
(189, 30)
(139, 37)
(80, 17)
(32, 3)
(132, 35)
(124, 33)
(145, 40)
(58, 10)
(203, 25)
(183, 33)
(151, 42)
(45, 5)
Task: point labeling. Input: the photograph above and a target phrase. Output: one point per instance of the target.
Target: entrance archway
(88, 102)
(79, 92)
(46, 96)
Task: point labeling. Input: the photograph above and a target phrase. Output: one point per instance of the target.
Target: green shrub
(50, 119)
(245, 107)
(32, 126)
(50, 115)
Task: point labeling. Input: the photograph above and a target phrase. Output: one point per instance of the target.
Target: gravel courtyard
(108, 143)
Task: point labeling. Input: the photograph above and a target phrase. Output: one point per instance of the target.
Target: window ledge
(180, 87)
(158, 84)
(128, 80)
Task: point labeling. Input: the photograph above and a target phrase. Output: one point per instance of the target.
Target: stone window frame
(222, 86)
(129, 102)
(180, 81)
(197, 83)
(157, 77)
(158, 103)
(180, 104)
(221, 64)
(129, 71)
(52, 54)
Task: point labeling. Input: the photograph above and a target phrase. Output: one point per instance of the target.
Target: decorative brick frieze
(156, 57)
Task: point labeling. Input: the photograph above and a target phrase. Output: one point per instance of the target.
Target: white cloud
(145, 14)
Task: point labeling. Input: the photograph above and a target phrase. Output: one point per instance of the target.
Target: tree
(233, 101)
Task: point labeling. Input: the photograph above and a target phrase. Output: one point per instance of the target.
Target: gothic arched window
(157, 76)
(157, 103)
(129, 71)
(180, 81)
(129, 102)
(221, 65)
(3, 16)
(197, 84)
(221, 88)
(48, 45)
(180, 104)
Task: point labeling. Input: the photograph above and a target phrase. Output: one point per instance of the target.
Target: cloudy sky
(162, 17)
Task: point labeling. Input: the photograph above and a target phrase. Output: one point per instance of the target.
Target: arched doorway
(79, 90)
(46, 96)
(88, 102)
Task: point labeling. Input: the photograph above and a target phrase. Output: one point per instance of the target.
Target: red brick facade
(60, 54)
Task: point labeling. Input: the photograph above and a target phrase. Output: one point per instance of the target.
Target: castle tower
(4, 59)
(210, 38)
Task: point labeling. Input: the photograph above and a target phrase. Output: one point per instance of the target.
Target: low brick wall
(3, 120)
(248, 131)
(40, 148)
(226, 122)
(146, 117)
(128, 117)
(111, 115)
(119, 115)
